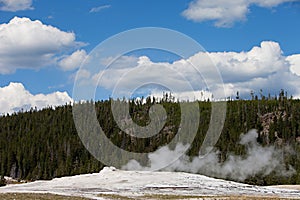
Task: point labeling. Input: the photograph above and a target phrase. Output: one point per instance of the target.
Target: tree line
(44, 144)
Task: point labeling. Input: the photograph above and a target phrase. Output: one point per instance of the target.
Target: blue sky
(221, 26)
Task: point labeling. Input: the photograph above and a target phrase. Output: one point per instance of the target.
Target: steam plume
(258, 160)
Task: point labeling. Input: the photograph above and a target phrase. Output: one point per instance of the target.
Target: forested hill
(44, 144)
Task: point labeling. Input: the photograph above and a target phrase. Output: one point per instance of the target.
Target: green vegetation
(2, 181)
(44, 144)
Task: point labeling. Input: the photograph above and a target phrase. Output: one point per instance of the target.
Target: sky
(254, 44)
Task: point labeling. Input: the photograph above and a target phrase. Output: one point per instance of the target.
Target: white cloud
(119, 61)
(73, 61)
(258, 62)
(142, 71)
(262, 67)
(225, 13)
(99, 8)
(15, 5)
(295, 63)
(32, 44)
(83, 74)
(269, 3)
(15, 97)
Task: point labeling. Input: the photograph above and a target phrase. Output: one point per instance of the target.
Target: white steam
(257, 160)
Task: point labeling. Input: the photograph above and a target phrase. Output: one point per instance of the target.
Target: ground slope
(110, 183)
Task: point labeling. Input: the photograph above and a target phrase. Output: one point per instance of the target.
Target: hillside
(44, 144)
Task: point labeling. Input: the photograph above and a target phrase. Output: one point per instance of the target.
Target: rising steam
(257, 160)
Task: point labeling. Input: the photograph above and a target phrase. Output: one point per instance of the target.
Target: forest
(44, 144)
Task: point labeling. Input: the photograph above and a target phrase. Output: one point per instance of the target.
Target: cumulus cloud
(73, 61)
(259, 61)
(15, 5)
(225, 13)
(120, 62)
(142, 72)
(32, 44)
(295, 63)
(83, 74)
(262, 67)
(15, 97)
(99, 8)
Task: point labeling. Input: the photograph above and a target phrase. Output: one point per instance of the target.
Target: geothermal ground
(111, 183)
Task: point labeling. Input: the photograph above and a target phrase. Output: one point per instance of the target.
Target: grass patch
(29, 196)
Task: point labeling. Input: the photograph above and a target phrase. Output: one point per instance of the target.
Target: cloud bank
(263, 67)
(225, 13)
(15, 5)
(27, 44)
(15, 97)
